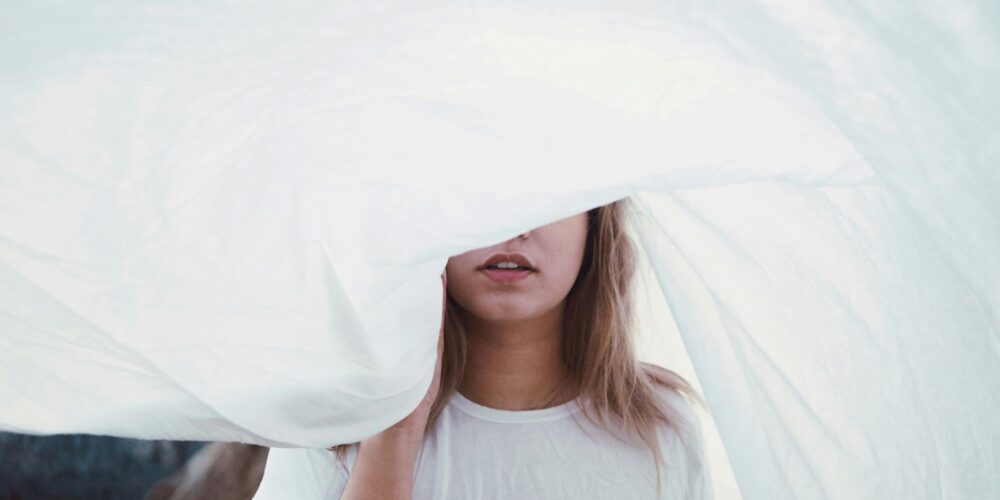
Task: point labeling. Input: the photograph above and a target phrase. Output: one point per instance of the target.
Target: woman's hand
(418, 418)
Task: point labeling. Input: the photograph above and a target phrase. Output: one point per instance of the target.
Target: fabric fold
(227, 223)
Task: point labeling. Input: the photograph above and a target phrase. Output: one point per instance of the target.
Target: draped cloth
(227, 221)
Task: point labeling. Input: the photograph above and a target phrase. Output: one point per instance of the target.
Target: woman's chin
(507, 315)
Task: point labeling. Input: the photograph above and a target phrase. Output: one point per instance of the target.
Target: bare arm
(384, 467)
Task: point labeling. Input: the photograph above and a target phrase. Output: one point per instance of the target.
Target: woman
(536, 380)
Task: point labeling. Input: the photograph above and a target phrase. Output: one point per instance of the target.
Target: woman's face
(554, 251)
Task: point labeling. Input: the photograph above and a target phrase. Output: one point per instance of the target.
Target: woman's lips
(506, 275)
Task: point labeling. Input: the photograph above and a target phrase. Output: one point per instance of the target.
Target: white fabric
(476, 451)
(227, 222)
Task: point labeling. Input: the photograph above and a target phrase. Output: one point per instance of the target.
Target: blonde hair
(597, 345)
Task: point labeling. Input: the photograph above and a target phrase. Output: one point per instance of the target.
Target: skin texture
(514, 338)
(514, 330)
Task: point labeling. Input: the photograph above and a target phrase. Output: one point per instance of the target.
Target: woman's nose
(524, 235)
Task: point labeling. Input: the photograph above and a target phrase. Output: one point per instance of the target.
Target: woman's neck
(516, 365)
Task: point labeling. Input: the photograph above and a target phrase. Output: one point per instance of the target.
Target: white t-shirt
(476, 452)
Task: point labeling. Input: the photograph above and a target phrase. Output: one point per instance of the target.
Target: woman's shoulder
(680, 399)
(683, 441)
(685, 438)
(682, 411)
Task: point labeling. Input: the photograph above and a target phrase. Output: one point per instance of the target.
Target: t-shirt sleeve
(302, 473)
(700, 477)
(689, 456)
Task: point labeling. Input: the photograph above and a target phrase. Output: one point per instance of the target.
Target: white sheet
(226, 222)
